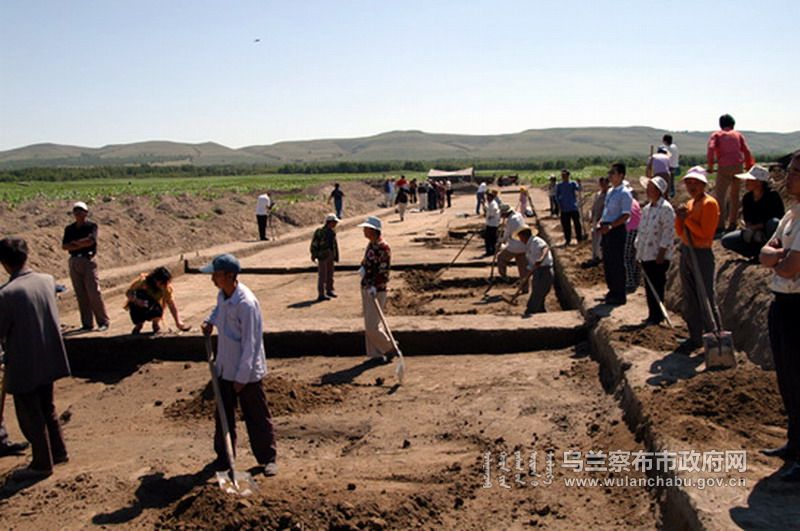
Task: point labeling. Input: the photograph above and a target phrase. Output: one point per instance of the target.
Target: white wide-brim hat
(658, 182)
(756, 173)
(697, 172)
(372, 222)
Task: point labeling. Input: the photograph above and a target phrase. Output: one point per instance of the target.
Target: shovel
(491, 275)
(400, 370)
(658, 299)
(522, 283)
(232, 482)
(453, 261)
(717, 344)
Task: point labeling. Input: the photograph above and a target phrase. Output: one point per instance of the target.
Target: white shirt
(656, 230)
(674, 157)
(492, 214)
(513, 223)
(535, 251)
(240, 342)
(482, 188)
(263, 204)
(788, 233)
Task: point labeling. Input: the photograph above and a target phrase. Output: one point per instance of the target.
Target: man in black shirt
(80, 239)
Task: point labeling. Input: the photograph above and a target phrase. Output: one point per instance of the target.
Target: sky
(251, 72)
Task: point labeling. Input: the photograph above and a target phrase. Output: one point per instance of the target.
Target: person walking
(263, 206)
(695, 223)
(597, 212)
(325, 251)
(782, 255)
(80, 239)
(674, 162)
(654, 243)
(728, 148)
(374, 280)
(35, 357)
(512, 248)
(762, 209)
(401, 202)
(148, 295)
(240, 365)
(540, 262)
(616, 212)
(337, 196)
(567, 196)
(492, 222)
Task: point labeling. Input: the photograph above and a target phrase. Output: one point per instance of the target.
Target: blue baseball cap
(223, 262)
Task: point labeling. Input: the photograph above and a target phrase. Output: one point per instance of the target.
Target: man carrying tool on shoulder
(540, 265)
(512, 248)
(241, 364)
(374, 278)
(696, 223)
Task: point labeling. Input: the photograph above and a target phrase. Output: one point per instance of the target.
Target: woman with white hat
(374, 279)
(654, 243)
(762, 209)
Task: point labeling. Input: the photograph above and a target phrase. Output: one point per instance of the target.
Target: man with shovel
(510, 247)
(35, 357)
(241, 364)
(540, 265)
(374, 278)
(696, 223)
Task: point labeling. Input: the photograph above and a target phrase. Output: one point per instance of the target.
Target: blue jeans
(749, 243)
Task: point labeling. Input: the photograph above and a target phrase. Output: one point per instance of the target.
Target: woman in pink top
(729, 149)
(632, 274)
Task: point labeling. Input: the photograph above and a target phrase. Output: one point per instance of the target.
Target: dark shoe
(630, 289)
(331, 294)
(13, 448)
(220, 464)
(61, 460)
(322, 298)
(688, 347)
(270, 469)
(613, 301)
(782, 452)
(792, 474)
(30, 474)
(652, 321)
(103, 327)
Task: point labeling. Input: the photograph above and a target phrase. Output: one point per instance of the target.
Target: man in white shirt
(540, 262)
(263, 206)
(674, 162)
(512, 248)
(241, 363)
(492, 222)
(480, 196)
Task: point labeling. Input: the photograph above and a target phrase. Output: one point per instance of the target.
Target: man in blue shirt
(566, 195)
(616, 212)
(241, 363)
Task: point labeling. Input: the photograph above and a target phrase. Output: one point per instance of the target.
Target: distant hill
(392, 146)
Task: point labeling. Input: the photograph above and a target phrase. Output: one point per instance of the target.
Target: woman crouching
(147, 297)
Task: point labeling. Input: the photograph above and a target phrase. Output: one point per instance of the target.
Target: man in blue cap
(241, 363)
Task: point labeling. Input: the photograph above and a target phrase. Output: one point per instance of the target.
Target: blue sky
(110, 71)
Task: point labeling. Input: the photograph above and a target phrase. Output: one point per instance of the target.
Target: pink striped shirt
(729, 148)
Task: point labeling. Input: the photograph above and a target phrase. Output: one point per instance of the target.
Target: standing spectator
(401, 183)
(525, 202)
(632, 274)
(654, 243)
(423, 196)
(325, 251)
(338, 200)
(480, 197)
(263, 206)
(567, 196)
(374, 279)
(80, 239)
(148, 295)
(658, 163)
(441, 192)
(616, 212)
(448, 186)
(762, 208)
(729, 149)
(597, 212)
(551, 194)
(412, 189)
(540, 262)
(401, 201)
(674, 162)
(782, 255)
(34, 357)
(433, 195)
(492, 222)
(698, 219)
(511, 248)
(241, 364)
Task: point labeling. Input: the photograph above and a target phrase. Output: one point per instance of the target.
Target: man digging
(512, 248)
(540, 264)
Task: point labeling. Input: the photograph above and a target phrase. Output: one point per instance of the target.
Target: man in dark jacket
(35, 356)
(325, 251)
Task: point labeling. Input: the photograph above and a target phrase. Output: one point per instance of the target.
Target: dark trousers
(613, 246)
(339, 206)
(490, 240)
(575, 217)
(38, 422)
(553, 206)
(541, 284)
(657, 273)
(695, 313)
(257, 419)
(262, 227)
(324, 275)
(784, 339)
(140, 314)
(449, 198)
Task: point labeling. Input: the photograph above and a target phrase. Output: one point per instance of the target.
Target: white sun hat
(697, 172)
(372, 222)
(756, 173)
(658, 182)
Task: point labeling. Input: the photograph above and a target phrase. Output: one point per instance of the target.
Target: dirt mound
(744, 400)
(285, 397)
(656, 338)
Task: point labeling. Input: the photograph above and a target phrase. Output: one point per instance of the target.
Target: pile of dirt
(658, 338)
(285, 397)
(134, 229)
(417, 280)
(744, 400)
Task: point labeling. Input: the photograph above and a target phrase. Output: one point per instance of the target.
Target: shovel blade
(241, 484)
(719, 350)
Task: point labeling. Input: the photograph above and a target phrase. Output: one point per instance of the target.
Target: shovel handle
(223, 417)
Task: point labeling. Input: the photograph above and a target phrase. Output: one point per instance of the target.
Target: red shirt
(729, 148)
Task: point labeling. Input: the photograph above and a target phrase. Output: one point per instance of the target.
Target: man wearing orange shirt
(729, 149)
(696, 223)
